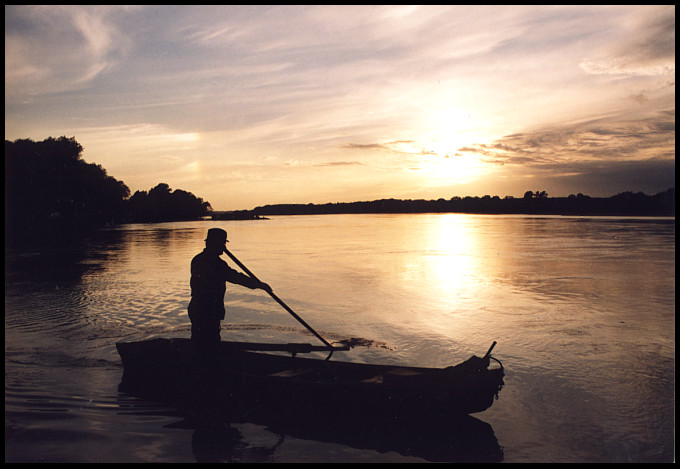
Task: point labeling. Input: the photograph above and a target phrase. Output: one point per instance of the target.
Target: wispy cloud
(58, 48)
(282, 95)
(647, 47)
(340, 163)
(606, 139)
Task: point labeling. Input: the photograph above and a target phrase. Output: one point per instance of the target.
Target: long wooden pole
(285, 306)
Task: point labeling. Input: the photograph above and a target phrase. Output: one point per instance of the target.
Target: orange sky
(252, 105)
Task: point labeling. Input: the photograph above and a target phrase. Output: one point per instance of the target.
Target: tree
(161, 203)
(50, 190)
(536, 195)
(53, 196)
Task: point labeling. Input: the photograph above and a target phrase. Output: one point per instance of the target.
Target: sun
(446, 135)
(456, 168)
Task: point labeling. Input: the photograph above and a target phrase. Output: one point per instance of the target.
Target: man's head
(216, 239)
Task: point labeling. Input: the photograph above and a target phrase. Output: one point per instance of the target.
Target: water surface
(583, 310)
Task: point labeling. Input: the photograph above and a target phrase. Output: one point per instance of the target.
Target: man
(209, 275)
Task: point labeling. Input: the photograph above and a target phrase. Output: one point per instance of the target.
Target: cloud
(57, 48)
(366, 90)
(610, 178)
(340, 163)
(647, 48)
(602, 139)
(366, 146)
(407, 147)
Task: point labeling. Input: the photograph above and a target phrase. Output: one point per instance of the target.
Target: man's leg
(205, 331)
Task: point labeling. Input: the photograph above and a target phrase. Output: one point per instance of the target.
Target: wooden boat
(248, 375)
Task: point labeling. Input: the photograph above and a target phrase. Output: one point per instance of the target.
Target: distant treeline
(52, 196)
(626, 203)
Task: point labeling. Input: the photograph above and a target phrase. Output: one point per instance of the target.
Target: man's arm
(233, 276)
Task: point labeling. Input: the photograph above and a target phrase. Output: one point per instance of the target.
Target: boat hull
(230, 376)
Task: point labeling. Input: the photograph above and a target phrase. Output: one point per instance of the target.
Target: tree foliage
(50, 190)
(163, 204)
(52, 195)
(538, 202)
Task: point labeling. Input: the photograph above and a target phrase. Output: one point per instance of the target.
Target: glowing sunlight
(444, 133)
(450, 267)
(456, 251)
(458, 169)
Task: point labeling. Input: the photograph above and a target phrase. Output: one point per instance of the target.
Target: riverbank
(624, 204)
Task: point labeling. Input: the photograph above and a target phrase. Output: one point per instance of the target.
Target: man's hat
(216, 236)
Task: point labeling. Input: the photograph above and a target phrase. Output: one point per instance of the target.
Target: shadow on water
(61, 263)
(435, 437)
(41, 265)
(222, 442)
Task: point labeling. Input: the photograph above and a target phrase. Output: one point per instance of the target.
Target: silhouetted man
(209, 275)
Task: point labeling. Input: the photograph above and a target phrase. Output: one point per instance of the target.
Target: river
(582, 308)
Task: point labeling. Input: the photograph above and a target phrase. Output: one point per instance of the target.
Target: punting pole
(285, 306)
(488, 353)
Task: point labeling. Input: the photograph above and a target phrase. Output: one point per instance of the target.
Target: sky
(251, 105)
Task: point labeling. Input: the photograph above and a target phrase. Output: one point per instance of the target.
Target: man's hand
(265, 287)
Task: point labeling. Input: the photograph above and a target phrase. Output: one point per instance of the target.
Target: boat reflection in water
(461, 439)
(435, 437)
(404, 410)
